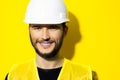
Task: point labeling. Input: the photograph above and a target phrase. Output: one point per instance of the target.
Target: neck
(51, 63)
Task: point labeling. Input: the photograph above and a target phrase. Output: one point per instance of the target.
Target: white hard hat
(46, 12)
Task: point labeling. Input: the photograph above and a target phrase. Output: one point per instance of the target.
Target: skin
(47, 40)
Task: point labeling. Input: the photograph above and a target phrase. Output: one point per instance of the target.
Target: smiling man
(47, 29)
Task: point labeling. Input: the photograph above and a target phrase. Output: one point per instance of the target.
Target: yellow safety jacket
(69, 71)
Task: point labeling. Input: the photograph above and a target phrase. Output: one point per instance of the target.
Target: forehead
(45, 25)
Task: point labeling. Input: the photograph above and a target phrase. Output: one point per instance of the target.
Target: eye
(54, 27)
(36, 27)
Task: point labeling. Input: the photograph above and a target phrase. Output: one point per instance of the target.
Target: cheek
(34, 35)
(57, 35)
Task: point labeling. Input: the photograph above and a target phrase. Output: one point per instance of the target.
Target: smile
(46, 45)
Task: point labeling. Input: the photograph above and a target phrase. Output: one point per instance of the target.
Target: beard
(51, 54)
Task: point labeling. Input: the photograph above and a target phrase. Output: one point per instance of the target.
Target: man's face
(47, 38)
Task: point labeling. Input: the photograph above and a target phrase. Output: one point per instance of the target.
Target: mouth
(46, 44)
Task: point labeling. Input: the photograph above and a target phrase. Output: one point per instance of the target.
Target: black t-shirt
(47, 74)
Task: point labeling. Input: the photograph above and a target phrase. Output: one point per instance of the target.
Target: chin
(46, 54)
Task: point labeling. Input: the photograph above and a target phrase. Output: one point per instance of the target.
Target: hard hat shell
(46, 12)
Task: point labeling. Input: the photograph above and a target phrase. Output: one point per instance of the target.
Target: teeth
(45, 45)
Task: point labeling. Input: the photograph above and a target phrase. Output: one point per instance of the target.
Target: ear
(65, 30)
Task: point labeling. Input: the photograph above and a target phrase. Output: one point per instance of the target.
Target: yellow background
(94, 33)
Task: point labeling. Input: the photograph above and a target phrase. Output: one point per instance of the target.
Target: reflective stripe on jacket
(69, 71)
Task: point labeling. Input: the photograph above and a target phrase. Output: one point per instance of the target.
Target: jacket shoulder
(80, 71)
(22, 66)
(23, 71)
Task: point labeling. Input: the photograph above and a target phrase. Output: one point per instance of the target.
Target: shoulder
(78, 70)
(22, 65)
(21, 69)
(78, 67)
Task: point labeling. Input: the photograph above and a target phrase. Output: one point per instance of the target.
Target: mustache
(44, 41)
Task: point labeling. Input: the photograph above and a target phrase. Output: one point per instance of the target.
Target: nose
(45, 34)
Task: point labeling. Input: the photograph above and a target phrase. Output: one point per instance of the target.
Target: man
(47, 28)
